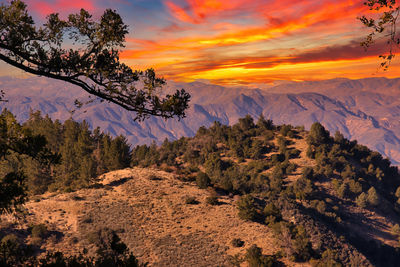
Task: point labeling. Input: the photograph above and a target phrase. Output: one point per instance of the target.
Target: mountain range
(367, 110)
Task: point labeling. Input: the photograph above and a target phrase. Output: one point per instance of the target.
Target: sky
(237, 42)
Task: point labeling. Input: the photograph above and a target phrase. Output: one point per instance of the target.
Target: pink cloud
(59, 6)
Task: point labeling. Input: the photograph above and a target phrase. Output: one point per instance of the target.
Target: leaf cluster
(385, 25)
(90, 62)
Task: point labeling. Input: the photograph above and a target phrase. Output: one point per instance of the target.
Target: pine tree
(318, 135)
(361, 200)
(69, 167)
(264, 124)
(17, 143)
(373, 197)
(84, 147)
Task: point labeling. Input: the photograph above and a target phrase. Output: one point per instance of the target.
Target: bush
(271, 210)
(328, 258)
(302, 245)
(285, 129)
(319, 205)
(107, 242)
(246, 207)
(318, 135)
(11, 251)
(39, 231)
(355, 187)
(237, 242)
(202, 180)
(255, 258)
(303, 188)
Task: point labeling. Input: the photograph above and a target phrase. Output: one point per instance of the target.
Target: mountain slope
(304, 198)
(367, 110)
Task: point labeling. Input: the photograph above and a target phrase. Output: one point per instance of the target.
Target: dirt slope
(147, 208)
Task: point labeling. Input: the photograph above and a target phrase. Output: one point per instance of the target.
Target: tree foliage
(382, 25)
(14, 140)
(82, 155)
(91, 62)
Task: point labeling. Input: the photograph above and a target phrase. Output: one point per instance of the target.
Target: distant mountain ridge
(367, 110)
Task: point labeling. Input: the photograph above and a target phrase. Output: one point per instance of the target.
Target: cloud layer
(240, 41)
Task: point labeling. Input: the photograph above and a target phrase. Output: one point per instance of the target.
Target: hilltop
(303, 198)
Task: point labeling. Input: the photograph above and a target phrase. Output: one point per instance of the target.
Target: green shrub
(202, 180)
(11, 250)
(318, 135)
(285, 129)
(329, 258)
(255, 258)
(319, 205)
(271, 210)
(39, 231)
(107, 241)
(302, 245)
(303, 188)
(246, 207)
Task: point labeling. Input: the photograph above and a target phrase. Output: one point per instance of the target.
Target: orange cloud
(284, 39)
(179, 13)
(197, 11)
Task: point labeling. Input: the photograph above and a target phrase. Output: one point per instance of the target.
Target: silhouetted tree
(94, 65)
(384, 25)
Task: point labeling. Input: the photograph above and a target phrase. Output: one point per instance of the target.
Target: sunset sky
(238, 41)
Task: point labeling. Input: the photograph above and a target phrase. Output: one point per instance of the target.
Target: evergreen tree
(318, 135)
(116, 153)
(361, 200)
(246, 123)
(373, 197)
(264, 124)
(19, 142)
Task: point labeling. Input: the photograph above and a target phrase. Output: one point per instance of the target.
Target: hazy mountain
(367, 110)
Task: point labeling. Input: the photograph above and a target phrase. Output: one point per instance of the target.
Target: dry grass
(151, 217)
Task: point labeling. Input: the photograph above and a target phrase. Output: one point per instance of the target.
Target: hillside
(366, 110)
(147, 208)
(304, 198)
